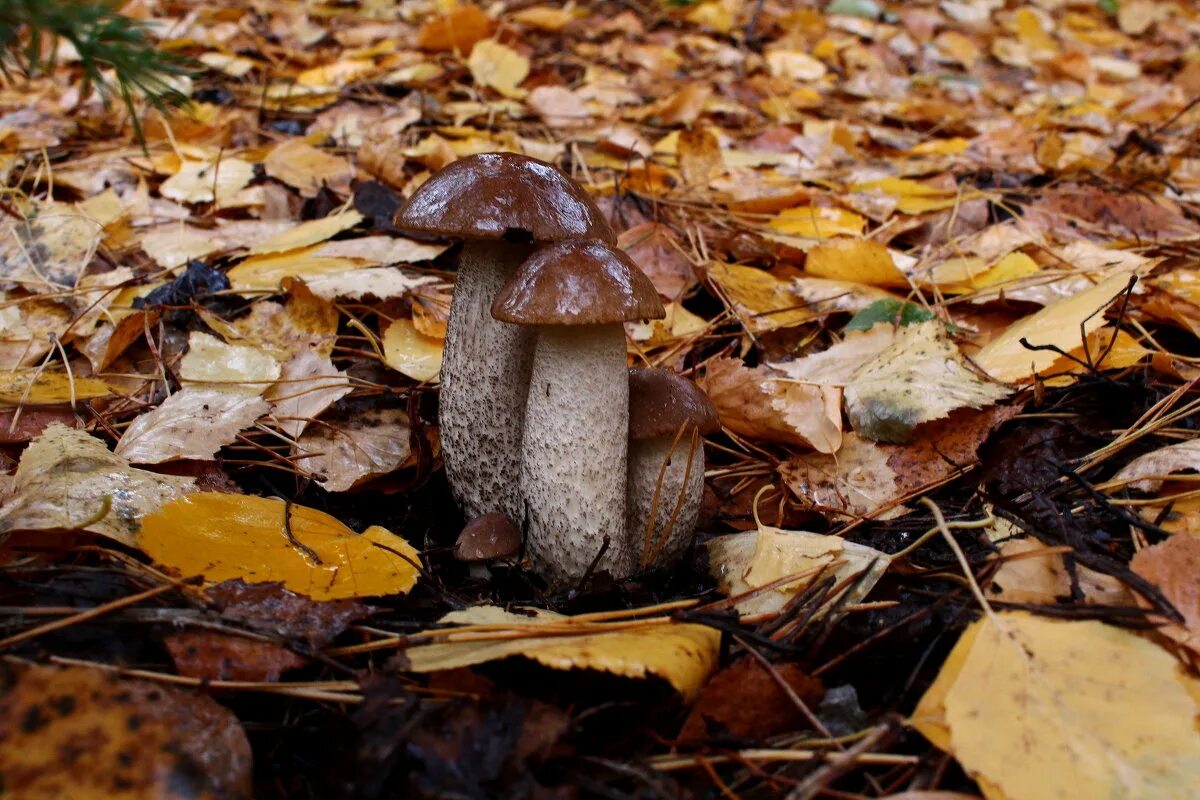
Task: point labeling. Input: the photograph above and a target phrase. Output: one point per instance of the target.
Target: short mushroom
(491, 537)
(573, 457)
(501, 205)
(667, 416)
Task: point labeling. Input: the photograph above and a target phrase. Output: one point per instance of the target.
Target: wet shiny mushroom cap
(661, 402)
(579, 282)
(503, 196)
(488, 537)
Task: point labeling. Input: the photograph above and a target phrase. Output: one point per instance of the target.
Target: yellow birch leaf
(260, 540)
(682, 654)
(498, 66)
(233, 367)
(202, 181)
(267, 272)
(302, 166)
(1058, 324)
(1085, 709)
(856, 260)
(762, 301)
(47, 387)
(342, 72)
(1124, 352)
(308, 233)
(816, 222)
(940, 147)
(1031, 33)
(64, 478)
(412, 353)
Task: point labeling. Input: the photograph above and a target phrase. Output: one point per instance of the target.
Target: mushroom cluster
(541, 421)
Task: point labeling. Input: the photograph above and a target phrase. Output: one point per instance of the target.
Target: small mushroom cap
(661, 402)
(578, 282)
(488, 537)
(503, 196)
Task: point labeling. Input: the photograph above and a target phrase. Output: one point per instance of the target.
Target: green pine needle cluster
(104, 39)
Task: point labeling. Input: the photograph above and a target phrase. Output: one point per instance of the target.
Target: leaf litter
(990, 206)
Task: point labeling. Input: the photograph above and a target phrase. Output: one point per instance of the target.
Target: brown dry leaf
(1146, 473)
(856, 261)
(682, 654)
(748, 561)
(682, 107)
(822, 297)
(499, 67)
(941, 449)
(1088, 710)
(64, 479)
(460, 29)
(262, 540)
(656, 249)
(1174, 567)
(1123, 216)
(383, 250)
(308, 384)
(304, 167)
(752, 403)
(1058, 324)
(411, 352)
(745, 700)
(343, 455)
(854, 482)
(920, 377)
(305, 322)
(88, 733)
(193, 423)
(214, 656)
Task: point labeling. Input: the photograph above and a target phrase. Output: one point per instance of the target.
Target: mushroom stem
(485, 377)
(665, 491)
(574, 455)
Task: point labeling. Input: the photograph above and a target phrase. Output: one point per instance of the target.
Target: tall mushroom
(667, 416)
(502, 205)
(577, 416)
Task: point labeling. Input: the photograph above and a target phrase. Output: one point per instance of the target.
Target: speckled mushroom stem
(485, 378)
(665, 491)
(575, 450)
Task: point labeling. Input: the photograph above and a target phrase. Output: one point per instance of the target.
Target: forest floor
(936, 264)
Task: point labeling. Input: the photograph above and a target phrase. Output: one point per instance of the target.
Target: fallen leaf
(215, 656)
(745, 700)
(1088, 710)
(1174, 567)
(655, 248)
(1146, 473)
(942, 448)
(814, 222)
(855, 260)
(65, 477)
(218, 180)
(854, 482)
(412, 353)
(308, 169)
(498, 66)
(836, 365)
(49, 249)
(268, 272)
(84, 732)
(760, 301)
(558, 107)
(1062, 325)
(682, 654)
(308, 384)
(920, 377)
(309, 233)
(193, 423)
(1030, 574)
(383, 283)
(212, 364)
(345, 454)
(264, 540)
(460, 29)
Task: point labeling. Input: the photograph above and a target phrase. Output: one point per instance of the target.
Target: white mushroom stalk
(664, 494)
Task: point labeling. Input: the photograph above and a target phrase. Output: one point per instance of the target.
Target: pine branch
(104, 40)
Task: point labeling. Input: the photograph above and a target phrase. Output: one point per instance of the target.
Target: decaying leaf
(1174, 567)
(83, 732)
(920, 377)
(66, 478)
(1031, 574)
(682, 654)
(194, 422)
(308, 384)
(364, 447)
(855, 481)
(1146, 473)
(261, 540)
(1086, 709)
(759, 563)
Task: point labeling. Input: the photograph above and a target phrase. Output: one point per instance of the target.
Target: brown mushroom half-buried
(492, 537)
(667, 416)
(573, 457)
(502, 205)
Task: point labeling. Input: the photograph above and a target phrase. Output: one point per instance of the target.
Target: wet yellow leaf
(1058, 324)
(307, 168)
(342, 72)
(235, 367)
(309, 233)
(47, 387)
(814, 222)
(1085, 709)
(682, 654)
(498, 66)
(1031, 33)
(940, 147)
(64, 478)
(856, 260)
(202, 181)
(914, 197)
(761, 301)
(267, 272)
(1124, 352)
(412, 353)
(257, 539)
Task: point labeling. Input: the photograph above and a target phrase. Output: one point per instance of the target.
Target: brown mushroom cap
(503, 196)
(661, 402)
(578, 282)
(488, 537)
